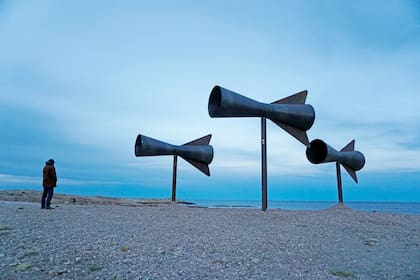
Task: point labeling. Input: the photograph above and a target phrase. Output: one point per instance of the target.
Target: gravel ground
(181, 242)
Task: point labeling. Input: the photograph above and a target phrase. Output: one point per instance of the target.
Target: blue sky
(80, 79)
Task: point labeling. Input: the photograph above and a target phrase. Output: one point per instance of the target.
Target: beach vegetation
(5, 228)
(341, 273)
(94, 267)
(23, 266)
(124, 248)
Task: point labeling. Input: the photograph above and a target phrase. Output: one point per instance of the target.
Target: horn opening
(137, 147)
(215, 100)
(317, 151)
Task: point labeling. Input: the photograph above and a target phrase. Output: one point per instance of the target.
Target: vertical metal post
(174, 179)
(339, 185)
(264, 163)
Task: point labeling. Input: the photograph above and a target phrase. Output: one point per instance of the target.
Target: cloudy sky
(79, 80)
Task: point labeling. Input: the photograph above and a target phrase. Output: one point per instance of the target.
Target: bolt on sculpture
(197, 152)
(320, 152)
(290, 113)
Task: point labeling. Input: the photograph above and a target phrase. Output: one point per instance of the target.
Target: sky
(79, 80)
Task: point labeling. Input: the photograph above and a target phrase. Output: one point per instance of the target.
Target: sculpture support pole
(174, 179)
(339, 185)
(264, 163)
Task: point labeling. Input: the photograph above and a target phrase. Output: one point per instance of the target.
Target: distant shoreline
(405, 208)
(58, 198)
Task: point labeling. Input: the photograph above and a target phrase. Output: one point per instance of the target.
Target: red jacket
(49, 179)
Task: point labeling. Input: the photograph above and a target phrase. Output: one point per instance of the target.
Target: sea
(412, 208)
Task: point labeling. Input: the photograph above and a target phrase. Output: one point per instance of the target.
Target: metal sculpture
(197, 152)
(290, 113)
(320, 152)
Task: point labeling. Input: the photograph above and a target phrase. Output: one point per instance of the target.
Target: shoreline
(405, 208)
(70, 199)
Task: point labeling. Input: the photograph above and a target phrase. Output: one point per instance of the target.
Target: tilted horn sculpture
(197, 152)
(290, 113)
(320, 152)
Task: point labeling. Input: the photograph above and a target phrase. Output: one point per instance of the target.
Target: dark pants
(48, 194)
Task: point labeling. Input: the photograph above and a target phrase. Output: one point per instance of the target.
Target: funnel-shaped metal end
(147, 146)
(224, 103)
(319, 152)
(215, 101)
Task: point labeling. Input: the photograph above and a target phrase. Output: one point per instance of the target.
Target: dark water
(393, 207)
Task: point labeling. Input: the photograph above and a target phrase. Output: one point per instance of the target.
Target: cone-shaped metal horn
(320, 152)
(147, 146)
(198, 152)
(290, 113)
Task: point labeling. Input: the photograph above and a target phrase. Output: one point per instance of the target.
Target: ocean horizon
(369, 206)
(383, 207)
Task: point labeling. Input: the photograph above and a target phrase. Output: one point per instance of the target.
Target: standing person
(49, 182)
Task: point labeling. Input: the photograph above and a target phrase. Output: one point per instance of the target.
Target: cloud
(83, 89)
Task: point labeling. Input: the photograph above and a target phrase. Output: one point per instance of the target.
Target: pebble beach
(162, 240)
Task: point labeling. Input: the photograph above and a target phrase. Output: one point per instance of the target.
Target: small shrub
(94, 267)
(341, 273)
(5, 228)
(124, 248)
(23, 266)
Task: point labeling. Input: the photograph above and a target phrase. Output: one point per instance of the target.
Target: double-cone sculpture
(320, 152)
(290, 113)
(197, 152)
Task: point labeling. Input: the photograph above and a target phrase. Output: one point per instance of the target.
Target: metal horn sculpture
(290, 113)
(320, 152)
(197, 152)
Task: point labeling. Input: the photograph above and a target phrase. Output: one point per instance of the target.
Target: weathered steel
(174, 179)
(264, 163)
(290, 113)
(320, 152)
(198, 152)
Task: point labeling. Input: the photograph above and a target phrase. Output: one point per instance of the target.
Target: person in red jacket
(49, 182)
